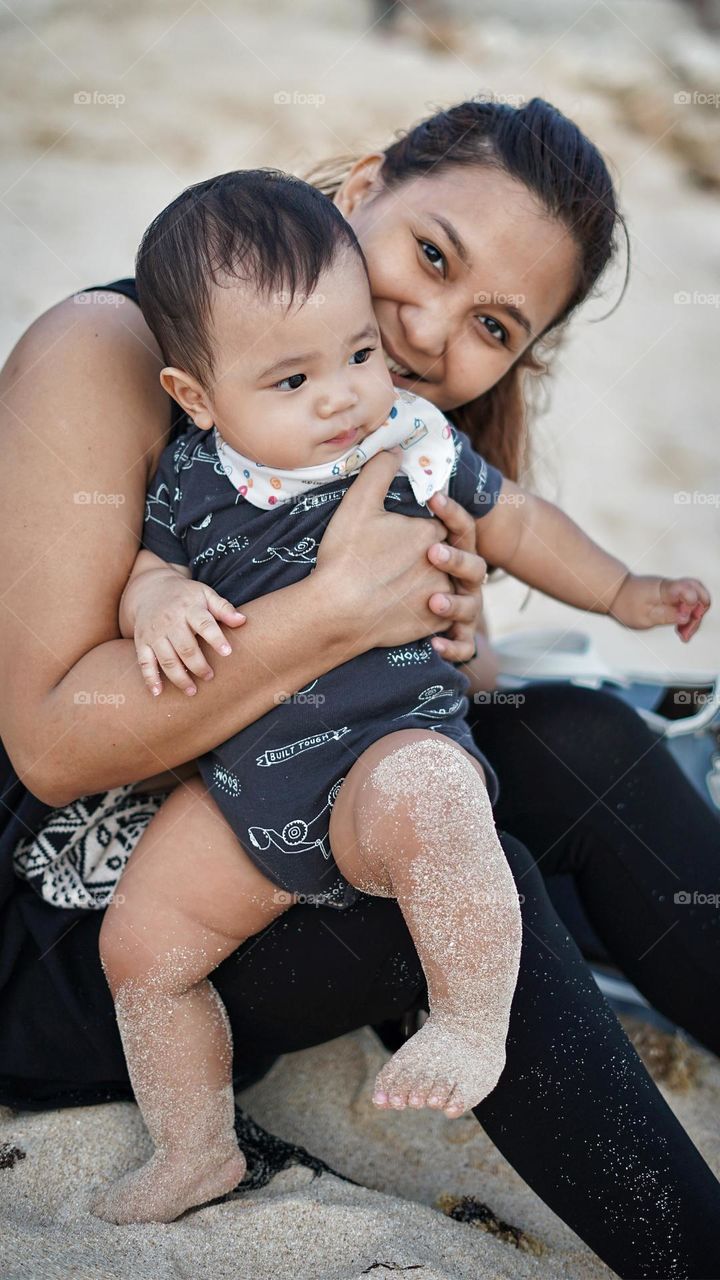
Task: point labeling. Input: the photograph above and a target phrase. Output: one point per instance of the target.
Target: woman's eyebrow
(460, 248)
(453, 236)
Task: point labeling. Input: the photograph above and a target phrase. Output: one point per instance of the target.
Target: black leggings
(575, 1112)
(593, 793)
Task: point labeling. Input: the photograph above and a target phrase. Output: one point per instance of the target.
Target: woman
(480, 203)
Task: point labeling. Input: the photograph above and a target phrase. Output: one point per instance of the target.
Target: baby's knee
(416, 771)
(131, 949)
(403, 791)
(118, 959)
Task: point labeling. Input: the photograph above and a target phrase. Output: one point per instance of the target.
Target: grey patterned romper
(276, 781)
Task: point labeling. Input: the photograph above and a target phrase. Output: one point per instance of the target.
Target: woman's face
(466, 270)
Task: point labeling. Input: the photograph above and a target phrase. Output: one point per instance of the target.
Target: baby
(368, 779)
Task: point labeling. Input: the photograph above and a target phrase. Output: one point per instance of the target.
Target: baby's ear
(189, 395)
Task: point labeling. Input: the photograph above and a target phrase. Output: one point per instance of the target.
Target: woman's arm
(84, 422)
(484, 668)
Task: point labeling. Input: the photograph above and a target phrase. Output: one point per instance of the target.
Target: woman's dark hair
(537, 145)
(260, 225)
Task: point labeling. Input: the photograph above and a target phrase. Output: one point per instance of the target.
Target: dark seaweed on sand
(10, 1154)
(267, 1155)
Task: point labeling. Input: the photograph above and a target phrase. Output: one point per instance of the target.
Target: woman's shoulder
(122, 290)
(125, 288)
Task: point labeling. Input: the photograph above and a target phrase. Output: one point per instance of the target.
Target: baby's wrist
(637, 594)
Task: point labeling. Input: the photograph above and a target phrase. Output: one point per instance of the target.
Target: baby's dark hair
(259, 225)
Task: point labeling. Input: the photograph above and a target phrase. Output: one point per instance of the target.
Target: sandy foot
(441, 1067)
(166, 1186)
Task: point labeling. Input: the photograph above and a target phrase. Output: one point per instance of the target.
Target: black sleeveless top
(21, 813)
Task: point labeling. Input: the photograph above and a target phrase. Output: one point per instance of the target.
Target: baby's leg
(413, 821)
(188, 897)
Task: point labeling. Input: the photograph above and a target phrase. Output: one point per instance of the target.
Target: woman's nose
(426, 330)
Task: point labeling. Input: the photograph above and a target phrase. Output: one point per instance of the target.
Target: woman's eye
(364, 352)
(294, 379)
(426, 245)
(494, 328)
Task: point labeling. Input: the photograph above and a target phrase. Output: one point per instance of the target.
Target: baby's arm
(537, 543)
(164, 611)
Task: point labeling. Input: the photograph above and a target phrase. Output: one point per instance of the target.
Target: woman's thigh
(313, 974)
(591, 792)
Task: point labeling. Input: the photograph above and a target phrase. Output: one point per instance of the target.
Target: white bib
(421, 430)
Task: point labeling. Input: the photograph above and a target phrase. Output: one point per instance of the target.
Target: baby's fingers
(183, 639)
(685, 593)
(168, 659)
(686, 630)
(223, 610)
(203, 622)
(149, 668)
(688, 600)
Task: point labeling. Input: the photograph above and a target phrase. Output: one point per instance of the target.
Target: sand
(632, 422)
(299, 1226)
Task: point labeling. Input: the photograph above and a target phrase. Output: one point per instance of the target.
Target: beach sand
(302, 1227)
(631, 423)
(628, 442)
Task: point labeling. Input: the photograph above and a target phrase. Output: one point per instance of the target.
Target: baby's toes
(439, 1094)
(387, 1092)
(454, 1105)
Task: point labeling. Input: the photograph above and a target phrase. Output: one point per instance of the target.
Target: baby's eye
(294, 379)
(434, 262)
(494, 328)
(364, 352)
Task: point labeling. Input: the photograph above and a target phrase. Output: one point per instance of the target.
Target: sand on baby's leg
(413, 821)
(187, 899)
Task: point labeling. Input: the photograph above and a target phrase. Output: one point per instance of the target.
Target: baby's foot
(442, 1066)
(168, 1185)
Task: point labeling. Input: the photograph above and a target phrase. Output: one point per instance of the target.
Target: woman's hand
(397, 578)
(468, 571)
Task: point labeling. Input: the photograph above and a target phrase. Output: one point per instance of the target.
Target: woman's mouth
(401, 370)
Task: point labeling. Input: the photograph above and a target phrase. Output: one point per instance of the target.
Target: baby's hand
(170, 612)
(645, 602)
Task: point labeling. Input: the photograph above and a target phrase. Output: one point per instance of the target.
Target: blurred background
(110, 109)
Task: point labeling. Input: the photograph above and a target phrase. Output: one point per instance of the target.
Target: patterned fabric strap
(78, 856)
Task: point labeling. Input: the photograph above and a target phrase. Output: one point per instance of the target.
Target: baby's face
(299, 388)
